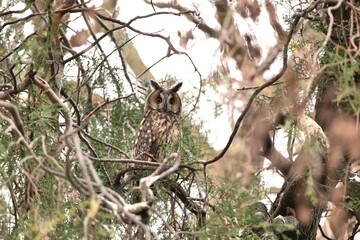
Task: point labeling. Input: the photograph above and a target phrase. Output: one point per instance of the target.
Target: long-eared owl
(159, 131)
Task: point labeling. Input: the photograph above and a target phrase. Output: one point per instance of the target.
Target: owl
(159, 131)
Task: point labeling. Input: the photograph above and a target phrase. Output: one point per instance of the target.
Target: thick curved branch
(277, 159)
(15, 115)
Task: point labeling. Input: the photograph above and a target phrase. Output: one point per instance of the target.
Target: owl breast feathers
(159, 131)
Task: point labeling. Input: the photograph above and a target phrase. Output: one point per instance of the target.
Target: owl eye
(172, 101)
(158, 99)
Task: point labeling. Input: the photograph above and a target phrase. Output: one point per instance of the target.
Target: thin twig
(323, 233)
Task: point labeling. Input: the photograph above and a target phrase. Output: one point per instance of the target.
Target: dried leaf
(79, 38)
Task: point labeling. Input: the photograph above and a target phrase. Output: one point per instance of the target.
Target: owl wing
(146, 140)
(154, 147)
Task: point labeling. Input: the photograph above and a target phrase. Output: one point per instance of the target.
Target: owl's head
(166, 100)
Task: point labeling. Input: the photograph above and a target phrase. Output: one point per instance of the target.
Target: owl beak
(168, 109)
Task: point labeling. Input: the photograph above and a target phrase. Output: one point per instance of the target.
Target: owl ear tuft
(176, 87)
(155, 85)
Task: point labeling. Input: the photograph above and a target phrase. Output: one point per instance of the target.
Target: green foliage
(353, 201)
(347, 93)
(240, 214)
(234, 214)
(344, 70)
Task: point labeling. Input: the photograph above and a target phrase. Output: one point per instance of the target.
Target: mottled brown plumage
(159, 131)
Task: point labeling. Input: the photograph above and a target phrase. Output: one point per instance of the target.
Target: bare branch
(15, 115)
